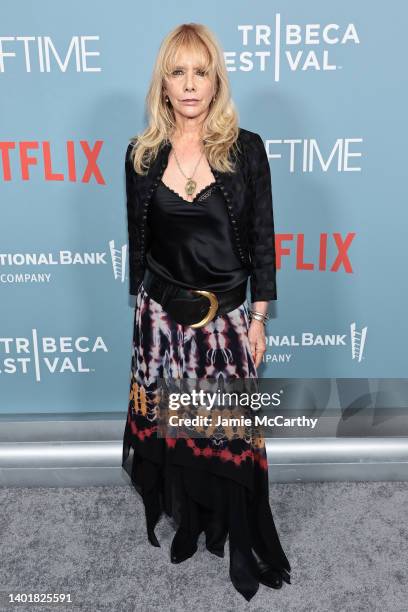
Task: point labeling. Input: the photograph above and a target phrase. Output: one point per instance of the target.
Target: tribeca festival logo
(20, 265)
(290, 46)
(48, 354)
(356, 341)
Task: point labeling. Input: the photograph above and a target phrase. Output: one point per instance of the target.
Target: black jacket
(248, 196)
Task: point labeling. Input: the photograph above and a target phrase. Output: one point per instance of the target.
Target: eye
(200, 71)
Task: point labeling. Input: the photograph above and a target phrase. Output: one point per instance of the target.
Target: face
(189, 88)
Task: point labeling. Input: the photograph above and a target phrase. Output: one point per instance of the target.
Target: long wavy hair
(220, 127)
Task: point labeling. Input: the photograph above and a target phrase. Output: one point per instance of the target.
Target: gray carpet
(347, 544)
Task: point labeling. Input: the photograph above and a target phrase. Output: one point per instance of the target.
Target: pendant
(190, 186)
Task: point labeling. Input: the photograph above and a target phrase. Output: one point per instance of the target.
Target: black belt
(193, 307)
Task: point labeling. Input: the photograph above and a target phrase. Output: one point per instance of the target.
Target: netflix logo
(80, 161)
(331, 253)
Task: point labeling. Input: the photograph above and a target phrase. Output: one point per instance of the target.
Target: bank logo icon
(358, 339)
(118, 257)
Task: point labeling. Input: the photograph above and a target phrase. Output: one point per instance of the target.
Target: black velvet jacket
(248, 196)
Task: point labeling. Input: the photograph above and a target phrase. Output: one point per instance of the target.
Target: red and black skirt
(215, 483)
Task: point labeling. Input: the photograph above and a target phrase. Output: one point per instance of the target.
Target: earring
(167, 99)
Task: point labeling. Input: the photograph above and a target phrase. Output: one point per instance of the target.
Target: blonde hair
(220, 127)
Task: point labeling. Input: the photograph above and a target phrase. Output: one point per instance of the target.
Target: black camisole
(192, 244)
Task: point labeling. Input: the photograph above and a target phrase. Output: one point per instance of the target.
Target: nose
(189, 83)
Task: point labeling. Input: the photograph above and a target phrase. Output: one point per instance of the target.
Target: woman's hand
(257, 340)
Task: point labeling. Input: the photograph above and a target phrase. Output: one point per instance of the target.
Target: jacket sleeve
(261, 235)
(135, 262)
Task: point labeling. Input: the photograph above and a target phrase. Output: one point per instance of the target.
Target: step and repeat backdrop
(323, 83)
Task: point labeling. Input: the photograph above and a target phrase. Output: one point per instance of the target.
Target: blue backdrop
(324, 84)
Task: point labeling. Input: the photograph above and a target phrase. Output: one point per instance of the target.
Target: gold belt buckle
(212, 309)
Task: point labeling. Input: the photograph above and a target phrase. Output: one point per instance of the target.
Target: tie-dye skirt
(216, 483)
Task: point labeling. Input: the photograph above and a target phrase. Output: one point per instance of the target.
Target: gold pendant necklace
(190, 185)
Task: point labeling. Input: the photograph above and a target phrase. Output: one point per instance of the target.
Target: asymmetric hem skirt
(216, 483)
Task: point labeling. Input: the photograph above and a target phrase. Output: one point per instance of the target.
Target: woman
(200, 223)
